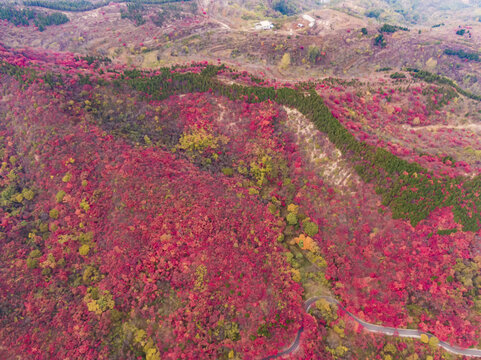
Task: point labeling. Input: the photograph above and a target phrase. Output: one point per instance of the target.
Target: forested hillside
(181, 211)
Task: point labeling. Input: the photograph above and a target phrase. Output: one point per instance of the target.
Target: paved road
(386, 330)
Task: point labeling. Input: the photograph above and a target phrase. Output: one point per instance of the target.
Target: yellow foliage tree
(296, 275)
(328, 310)
(293, 208)
(285, 61)
(305, 243)
(198, 140)
(433, 341)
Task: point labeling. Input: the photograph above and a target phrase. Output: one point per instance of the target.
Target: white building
(264, 25)
(311, 20)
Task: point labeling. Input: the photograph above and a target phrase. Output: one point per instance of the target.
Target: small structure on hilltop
(311, 20)
(264, 25)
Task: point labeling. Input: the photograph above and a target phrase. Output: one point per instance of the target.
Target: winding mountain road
(386, 330)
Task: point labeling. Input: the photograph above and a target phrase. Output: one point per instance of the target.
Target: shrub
(228, 330)
(285, 61)
(433, 341)
(32, 260)
(227, 171)
(90, 275)
(447, 231)
(304, 242)
(60, 195)
(261, 169)
(291, 219)
(199, 140)
(390, 348)
(272, 209)
(375, 13)
(35, 253)
(364, 31)
(293, 208)
(386, 28)
(310, 228)
(152, 354)
(313, 54)
(397, 75)
(328, 310)
(32, 263)
(84, 250)
(54, 214)
(28, 194)
(424, 338)
(98, 303)
(84, 205)
(380, 41)
(338, 352)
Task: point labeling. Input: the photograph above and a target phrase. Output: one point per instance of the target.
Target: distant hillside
(274, 8)
(408, 11)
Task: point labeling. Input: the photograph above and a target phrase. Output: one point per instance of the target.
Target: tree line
(85, 5)
(24, 16)
(463, 54)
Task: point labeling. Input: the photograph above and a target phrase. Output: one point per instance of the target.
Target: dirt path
(471, 126)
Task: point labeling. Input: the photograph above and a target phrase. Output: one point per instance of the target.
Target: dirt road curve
(386, 330)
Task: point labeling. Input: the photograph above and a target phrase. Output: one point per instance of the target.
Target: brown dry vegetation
(226, 32)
